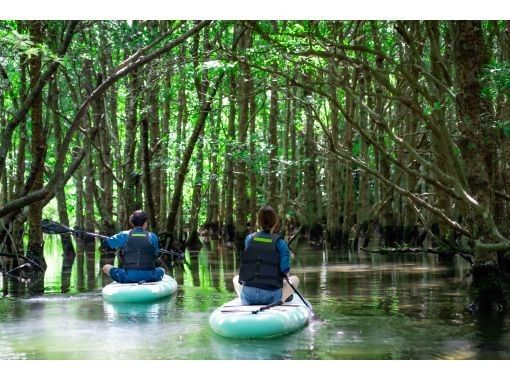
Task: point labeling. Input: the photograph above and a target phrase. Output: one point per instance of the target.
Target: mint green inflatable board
(145, 292)
(233, 320)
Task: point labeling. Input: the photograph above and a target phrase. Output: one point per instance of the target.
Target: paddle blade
(52, 227)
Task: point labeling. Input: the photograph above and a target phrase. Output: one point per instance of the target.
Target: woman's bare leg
(287, 289)
(237, 286)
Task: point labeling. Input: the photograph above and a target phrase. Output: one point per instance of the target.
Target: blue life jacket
(260, 263)
(138, 251)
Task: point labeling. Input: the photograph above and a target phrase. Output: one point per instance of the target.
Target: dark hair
(138, 218)
(266, 217)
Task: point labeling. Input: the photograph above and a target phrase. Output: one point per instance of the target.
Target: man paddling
(139, 252)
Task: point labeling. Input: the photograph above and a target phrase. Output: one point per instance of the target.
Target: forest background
(350, 128)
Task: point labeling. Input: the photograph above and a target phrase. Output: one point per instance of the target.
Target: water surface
(370, 307)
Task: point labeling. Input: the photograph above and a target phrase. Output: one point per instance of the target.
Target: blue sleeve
(155, 242)
(118, 240)
(247, 240)
(283, 248)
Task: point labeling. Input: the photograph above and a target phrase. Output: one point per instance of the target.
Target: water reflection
(493, 336)
(372, 307)
(67, 267)
(138, 312)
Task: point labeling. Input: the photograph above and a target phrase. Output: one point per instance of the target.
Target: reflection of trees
(491, 335)
(5, 283)
(80, 277)
(139, 312)
(67, 267)
(187, 276)
(204, 271)
(221, 267)
(412, 286)
(204, 296)
(105, 258)
(86, 265)
(90, 262)
(36, 283)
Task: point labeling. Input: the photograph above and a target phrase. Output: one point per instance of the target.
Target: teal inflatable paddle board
(233, 320)
(144, 292)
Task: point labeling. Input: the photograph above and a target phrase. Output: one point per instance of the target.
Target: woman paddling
(265, 260)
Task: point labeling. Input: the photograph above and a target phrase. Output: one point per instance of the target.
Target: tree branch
(34, 93)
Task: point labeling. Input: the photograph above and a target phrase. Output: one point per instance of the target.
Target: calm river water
(371, 307)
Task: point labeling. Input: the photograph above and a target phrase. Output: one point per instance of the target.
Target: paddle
(51, 227)
(278, 303)
(308, 305)
(178, 255)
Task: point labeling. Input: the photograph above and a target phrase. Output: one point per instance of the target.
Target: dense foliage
(347, 127)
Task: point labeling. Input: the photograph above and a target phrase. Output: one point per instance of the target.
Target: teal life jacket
(260, 263)
(138, 251)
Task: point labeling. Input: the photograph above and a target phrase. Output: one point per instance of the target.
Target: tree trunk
(348, 206)
(196, 197)
(241, 166)
(284, 166)
(182, 119)
(63, 216)
(272, 186)
(165, 130)
(147, 175)
(205, 108)
(253, 175)
(228, 179)
(111, 107)
(154, 149)
(131, 176)
(38, 151)
(312, 216)
(333, 231)
(104, 161)
(212, 219)
(294, 151)
(470, 58)
(201, 85)
(437, 61)
(409, 232)
(388, 218)
(362, 218)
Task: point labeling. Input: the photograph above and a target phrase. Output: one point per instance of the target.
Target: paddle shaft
(92, 234)
(67, 230)
(52, 227)
(287, 278)
(165, 252)
(278, 303)
(297, 292)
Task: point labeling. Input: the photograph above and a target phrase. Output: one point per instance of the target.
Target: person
(140, 250)
(264, 264)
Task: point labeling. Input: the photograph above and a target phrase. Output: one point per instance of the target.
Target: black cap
(138, 218)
